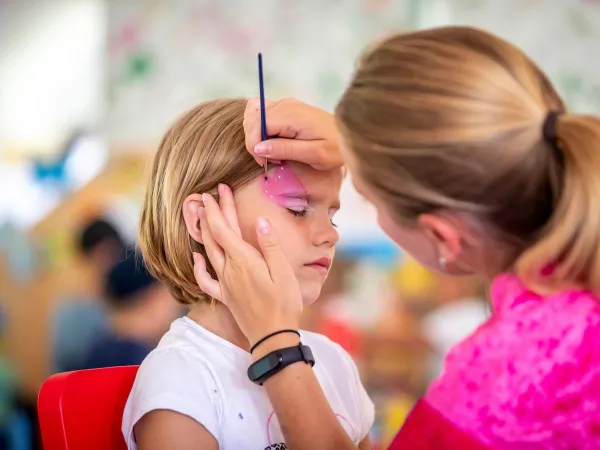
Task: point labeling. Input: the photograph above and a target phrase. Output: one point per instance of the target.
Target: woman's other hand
(259, 287)
(300, 132)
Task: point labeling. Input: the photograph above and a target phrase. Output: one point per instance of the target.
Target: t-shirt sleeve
(174, 380)
(364, 405)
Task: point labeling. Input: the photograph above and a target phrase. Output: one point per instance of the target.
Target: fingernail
(195, 257)
(262, 149)
(201, 212)
(263, 225)
(221, 189)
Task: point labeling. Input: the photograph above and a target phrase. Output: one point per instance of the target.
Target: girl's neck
(218, 320)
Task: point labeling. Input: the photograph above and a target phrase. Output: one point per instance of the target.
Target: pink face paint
(284, 188)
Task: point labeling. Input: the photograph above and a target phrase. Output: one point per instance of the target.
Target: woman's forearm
(307, 421)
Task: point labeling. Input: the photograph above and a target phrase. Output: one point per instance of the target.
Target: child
(139, 309)
(81, 320)
(192, 391)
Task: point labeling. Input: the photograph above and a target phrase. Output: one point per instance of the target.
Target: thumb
(268, 241)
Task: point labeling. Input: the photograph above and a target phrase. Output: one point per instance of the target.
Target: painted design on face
(284, 188)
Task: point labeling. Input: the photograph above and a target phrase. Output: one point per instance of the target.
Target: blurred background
(87, 87)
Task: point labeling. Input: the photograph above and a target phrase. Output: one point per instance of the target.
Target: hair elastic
(549, 127)
(269, 336)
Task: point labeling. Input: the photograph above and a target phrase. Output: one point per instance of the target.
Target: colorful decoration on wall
(166, 56)
(558, 35)
(139, 65)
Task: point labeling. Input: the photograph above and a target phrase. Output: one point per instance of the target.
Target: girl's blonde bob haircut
(203, 148)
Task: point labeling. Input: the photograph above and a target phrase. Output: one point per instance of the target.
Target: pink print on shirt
(274, 432)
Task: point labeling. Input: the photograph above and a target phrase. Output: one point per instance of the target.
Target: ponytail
(568, 251)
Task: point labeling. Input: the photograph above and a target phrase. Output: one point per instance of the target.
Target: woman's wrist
(275, 343)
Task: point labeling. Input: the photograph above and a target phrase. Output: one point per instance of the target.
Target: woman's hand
(259, 287)
(300, 132)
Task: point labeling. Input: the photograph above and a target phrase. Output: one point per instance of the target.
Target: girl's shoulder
(172, 378)
(530, 373)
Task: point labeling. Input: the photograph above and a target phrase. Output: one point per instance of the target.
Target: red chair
(83, 410)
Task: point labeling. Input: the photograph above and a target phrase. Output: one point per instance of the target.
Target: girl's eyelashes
(332, 213)
(298, 212)
(304, 212)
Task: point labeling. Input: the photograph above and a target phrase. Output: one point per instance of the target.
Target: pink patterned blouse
(528, 378)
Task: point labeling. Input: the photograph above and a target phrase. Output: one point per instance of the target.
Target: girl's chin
(309, 295)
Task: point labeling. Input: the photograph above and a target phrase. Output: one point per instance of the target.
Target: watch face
(261, 367)
(264, 366)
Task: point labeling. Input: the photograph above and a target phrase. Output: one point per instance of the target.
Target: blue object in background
(53, 171)
(50, 171)
(381, 251)
(19, 432)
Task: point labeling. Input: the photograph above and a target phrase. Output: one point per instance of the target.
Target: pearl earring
(442, 263)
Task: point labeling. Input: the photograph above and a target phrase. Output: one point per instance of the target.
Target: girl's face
(301, 203)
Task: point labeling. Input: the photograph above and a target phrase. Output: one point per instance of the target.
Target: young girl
(466, 150)
(192, 392)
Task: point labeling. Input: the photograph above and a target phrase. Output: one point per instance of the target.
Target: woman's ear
(191, 217)
(444, 234)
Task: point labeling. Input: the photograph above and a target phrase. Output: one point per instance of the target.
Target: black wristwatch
(270, 364)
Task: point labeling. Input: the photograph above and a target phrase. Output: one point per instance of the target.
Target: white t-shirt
(197, 373)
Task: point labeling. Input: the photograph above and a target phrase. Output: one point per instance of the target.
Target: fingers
(280, 122)
(268, 241)
(222, 235)
(206, 283)
(215, 254)
(317, 153)
(227, 206)
(301, 133)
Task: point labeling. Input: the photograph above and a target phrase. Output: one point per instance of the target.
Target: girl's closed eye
(297, 207)
(303, 212)
(298, 212)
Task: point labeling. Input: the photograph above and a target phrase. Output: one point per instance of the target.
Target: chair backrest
(83, 410)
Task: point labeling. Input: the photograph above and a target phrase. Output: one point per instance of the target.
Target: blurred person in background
(139, 309)
(81, 320)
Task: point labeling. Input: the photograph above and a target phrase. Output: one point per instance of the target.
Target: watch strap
(276, 361)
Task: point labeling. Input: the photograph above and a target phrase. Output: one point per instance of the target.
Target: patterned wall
(166, 55)
(563, 36)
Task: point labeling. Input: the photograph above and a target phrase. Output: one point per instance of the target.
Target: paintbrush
(263, 118)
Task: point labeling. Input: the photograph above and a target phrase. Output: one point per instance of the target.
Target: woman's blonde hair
(451, 119)
(203, 148)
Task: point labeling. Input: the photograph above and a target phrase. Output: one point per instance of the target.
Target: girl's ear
(190, 215)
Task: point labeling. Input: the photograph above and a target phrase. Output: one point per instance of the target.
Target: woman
(465, 149)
